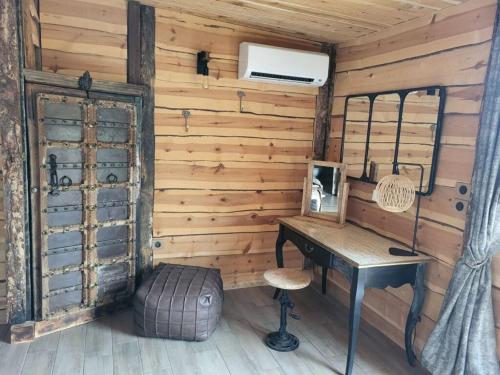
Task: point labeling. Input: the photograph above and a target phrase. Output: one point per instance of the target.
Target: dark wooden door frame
(141, 70)
(12, 159)
(324, 104)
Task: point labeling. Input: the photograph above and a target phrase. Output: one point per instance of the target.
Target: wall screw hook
(186, 114)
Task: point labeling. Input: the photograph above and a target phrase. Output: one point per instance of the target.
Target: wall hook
(186, 114)
(241, 94)
(85, 82)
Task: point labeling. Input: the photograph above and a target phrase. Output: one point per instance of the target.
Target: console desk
(363, 258)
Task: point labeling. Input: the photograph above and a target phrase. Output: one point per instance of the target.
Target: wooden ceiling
(318, 20)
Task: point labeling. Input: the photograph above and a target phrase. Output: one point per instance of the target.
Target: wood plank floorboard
(109, 346)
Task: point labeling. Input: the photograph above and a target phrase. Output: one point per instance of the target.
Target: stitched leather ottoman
(179, 302)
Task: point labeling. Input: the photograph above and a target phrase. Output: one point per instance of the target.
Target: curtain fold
(463, 340)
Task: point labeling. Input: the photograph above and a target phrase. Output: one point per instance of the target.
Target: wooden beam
(31, 34)
(133, 41)
(23, 332)
(12, 160)
(324, 102)
(141, 70)
(59, 80)
(30, 330)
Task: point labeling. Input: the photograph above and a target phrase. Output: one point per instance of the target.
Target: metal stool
(285, 279)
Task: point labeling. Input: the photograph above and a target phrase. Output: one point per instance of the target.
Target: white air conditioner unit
(258, 62)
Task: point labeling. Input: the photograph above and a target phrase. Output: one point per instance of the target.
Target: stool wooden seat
(287, 278)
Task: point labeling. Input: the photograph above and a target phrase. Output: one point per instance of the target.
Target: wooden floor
(109, 346)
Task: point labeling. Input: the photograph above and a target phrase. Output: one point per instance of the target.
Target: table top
(360, 247)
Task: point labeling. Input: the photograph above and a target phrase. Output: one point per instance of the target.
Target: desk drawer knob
(309, 248)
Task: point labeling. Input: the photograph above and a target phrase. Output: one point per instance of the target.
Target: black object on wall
(202, 63)
(432, 90)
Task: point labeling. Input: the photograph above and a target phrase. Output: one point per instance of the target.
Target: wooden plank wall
(3, 289)
(85, 35)
(452, 49)
(220, 186)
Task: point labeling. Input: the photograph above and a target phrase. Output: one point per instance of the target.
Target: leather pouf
(179, 302)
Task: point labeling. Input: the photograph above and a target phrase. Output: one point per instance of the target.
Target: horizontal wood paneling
(207, 148)
(217, 245)
(222, 183)
(212, 201)
(227, 101)
(239, 270)
(229, 175)
(437, 209)
(452, 49)
(423, 36)
(231, 124)
(455, 67)
(85, 35)
(180, 223)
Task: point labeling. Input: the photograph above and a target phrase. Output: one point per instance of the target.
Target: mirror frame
(402, 95)
(342, 195)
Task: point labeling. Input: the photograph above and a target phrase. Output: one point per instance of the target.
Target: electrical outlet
(462, 190)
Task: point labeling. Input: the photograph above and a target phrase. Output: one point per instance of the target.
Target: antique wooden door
(84, 188)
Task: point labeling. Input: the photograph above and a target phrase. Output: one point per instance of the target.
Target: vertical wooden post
(133, 41)
(12, 159)
(31, 35)
(324, 102)
(141, 70)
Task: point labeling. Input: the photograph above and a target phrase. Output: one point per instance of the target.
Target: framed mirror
(383, 131)
(325, 191)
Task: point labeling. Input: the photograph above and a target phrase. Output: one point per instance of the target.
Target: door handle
(53, 181)
(66, 181)
(111, 178)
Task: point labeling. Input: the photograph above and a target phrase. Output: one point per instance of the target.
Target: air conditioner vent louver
(281, 77)
(258, 62)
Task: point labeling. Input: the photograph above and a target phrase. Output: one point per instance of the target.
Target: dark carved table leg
(414, 313)
(357, 293)
(324, 276)
(279, 254)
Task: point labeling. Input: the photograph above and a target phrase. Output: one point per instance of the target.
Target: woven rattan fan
(396, 193)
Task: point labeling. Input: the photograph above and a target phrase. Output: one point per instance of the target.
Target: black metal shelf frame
(402, 95)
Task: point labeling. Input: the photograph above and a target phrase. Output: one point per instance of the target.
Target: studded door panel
(87, 193)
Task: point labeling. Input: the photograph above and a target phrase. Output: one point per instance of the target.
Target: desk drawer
(319, 255)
